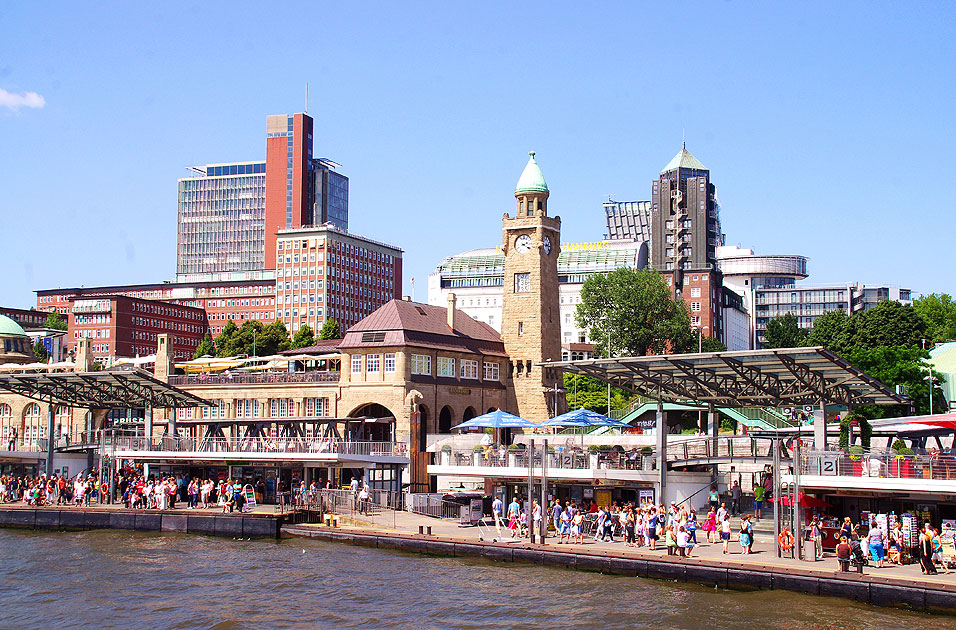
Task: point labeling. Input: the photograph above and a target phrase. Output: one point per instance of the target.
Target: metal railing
(726, 447)
(560, 458)
(380, 508)
(433, 505)
(264, 378)
(884, 464)
(263, 445)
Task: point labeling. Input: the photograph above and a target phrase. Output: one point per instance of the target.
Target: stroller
(857, 559)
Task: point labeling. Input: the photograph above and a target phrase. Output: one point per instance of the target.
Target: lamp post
(254, 333)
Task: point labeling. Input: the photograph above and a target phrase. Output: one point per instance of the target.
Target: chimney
(407, 298)
(163, 366)
(452, 300)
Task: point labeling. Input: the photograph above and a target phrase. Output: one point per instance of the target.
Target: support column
(148, 425)
(820, 427)
(713, 421)
(661, 449)
(49, 440)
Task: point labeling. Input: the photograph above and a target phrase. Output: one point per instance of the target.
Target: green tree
(898, 365)
(55, 321)
(330, 329)
(303, 337)
(784, 332)
(206, 348)
(938, 310)
(710, 344)
(274, 338)
(888, 323)
(591, 393)
(39, 351)
(830, 330)
(224, 342)
(631, 312)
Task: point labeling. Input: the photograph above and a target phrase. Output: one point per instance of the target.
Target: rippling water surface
(104, 579)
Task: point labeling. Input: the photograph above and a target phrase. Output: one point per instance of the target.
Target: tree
(898, 365)
(224, 341)
(938, 311)
(711, 344)
(303, 337)
(39, 351)
(784, 332)
(591, 393)
(330, 329)
(889, 323)
(830, 330)
(634, 310)
(206, 348)
(55, 321)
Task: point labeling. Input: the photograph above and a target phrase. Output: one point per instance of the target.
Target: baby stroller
(857, 559)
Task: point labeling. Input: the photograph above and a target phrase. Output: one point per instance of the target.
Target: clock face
(523, 244)
(547, 246)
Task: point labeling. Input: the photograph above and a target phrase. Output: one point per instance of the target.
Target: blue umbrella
(584, 418)
(497, 419)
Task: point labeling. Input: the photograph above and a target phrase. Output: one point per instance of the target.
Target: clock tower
(531, 319)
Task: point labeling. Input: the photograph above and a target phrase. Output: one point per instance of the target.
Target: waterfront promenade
(901, 586)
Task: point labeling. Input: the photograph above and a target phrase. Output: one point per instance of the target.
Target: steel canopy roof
(771, 378)
(108, 389)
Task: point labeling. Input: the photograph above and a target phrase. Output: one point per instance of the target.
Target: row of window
(468, 368)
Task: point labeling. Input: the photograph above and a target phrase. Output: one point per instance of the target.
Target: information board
(250, 495)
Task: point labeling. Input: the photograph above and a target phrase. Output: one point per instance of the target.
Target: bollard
(429, 530)
(421, 530)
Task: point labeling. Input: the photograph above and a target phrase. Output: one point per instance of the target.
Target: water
(102, 579)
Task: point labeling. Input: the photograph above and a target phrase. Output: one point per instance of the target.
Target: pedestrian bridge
(731, 449)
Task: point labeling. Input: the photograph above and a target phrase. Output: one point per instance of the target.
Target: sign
(459, 390)
(808, 408)
(645, 496)
(829, 463)
(250, 495)
(477, 512)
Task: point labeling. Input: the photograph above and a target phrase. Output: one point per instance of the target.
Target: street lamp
(254, 332)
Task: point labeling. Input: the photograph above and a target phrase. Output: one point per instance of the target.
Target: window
(491, 371)
(421, 364)
(695, 307)
(695, 292)
(372, 363)
(389, 362)
(469, 369)
(446, 366)
(522, 282)
(356, 363)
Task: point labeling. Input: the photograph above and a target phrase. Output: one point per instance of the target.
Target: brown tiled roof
(322, 346)
(424, 325)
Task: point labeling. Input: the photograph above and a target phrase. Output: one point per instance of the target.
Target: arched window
(6, 425)
(63, 422)
(33, 429)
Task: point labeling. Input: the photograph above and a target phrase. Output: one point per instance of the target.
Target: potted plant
(446, 455)
(513, 452)
(903, 463)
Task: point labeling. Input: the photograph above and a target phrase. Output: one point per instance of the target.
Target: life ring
(786, 540)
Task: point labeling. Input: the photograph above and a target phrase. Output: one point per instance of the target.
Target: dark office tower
(685, 233)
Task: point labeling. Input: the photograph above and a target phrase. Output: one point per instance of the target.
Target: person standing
(746, 534)
(843, 554)
(926, 553)
(714, 498)
(735, 499)
(816, 535)
(758, 502)
(877, 548)
(536, 517)
(514, 508)
(722, 512)
(710, 524)
(497, 506)
(725, 532)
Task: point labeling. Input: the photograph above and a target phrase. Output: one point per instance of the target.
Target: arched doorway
(468, 415)
(491, 409)
(444, 419)
(379, 425)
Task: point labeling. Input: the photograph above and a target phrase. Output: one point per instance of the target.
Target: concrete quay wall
(234, 525)
(871, 589)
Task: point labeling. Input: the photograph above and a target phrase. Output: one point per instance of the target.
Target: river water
(105, 579)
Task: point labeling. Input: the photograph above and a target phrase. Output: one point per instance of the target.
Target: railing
(560, 458)
(433, 505)
(727, 447)
(886, 464)
(262, 378)
(380, 508)
(263, 445)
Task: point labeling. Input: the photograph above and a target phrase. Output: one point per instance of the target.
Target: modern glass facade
(221, 219)
(331, 196)
(628, 220)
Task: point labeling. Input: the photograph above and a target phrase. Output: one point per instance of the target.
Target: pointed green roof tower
(532, 179)
(684, 159)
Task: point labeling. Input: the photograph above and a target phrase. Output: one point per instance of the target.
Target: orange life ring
(786, 540)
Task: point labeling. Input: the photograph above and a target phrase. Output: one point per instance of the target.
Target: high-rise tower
(685, 233)
(531, 326)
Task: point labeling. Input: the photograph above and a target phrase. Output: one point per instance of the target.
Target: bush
(514, 448)
(647, 450)
(594, 449)
(479, 449)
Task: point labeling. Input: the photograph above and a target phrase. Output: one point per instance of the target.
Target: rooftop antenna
(683, 135)
(306, 98)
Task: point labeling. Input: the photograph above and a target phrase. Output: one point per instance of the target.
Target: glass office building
(221, 219)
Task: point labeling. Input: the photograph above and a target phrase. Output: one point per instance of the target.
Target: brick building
(121, 326)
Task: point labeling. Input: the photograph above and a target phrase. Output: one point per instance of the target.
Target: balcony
(878, 470)
(576, 459)
(258, 448)
(259, 378)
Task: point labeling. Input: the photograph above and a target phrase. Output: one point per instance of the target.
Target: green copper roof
(531, 178)
(684, 160)
(8, 327)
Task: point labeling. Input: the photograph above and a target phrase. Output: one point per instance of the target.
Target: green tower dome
(532, 179)
(9, 328)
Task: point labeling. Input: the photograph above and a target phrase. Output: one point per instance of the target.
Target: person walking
(758, 502)
(710, 524)
(714, 498)
(877, 547)
(725, 532)
(735, 499)
(746, 534)
(816, 536)
(926, 553)
(497, 506)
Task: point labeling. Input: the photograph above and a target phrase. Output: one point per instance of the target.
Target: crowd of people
(870, 543)
(645, 525)
(41, 490)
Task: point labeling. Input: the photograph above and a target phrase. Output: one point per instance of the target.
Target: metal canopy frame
(108, 389)
(769, 378)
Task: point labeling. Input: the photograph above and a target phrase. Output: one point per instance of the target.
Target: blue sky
(829, 128)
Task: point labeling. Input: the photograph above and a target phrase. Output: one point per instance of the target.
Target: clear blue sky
(829, 128)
